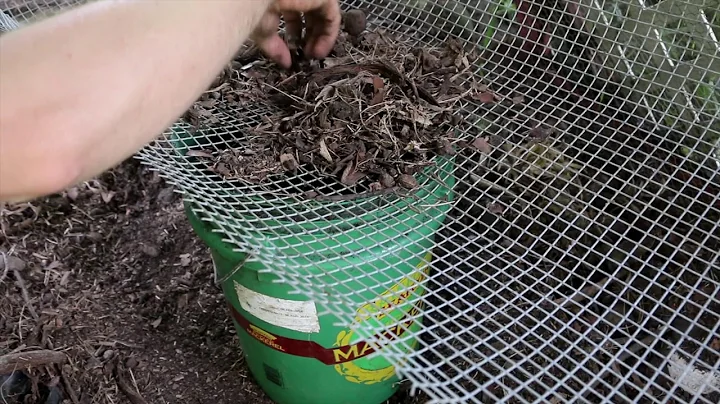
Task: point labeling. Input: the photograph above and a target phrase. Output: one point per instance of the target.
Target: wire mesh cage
(573, 247)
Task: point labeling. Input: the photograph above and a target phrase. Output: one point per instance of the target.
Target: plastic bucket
(300, 357)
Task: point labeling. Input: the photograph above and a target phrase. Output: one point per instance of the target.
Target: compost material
(126, 303)
(125, 300)
(373, 114)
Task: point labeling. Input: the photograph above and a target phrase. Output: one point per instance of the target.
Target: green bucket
(300, 357)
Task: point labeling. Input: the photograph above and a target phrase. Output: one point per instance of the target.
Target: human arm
(84, 90)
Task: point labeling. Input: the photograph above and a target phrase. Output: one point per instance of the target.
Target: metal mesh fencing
(18, 12)
(574, 251)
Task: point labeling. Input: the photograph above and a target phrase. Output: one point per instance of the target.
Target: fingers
(293, 26)
(267, 39)
(322, 19)
(323, 26)
(277, 50)
(300, 6)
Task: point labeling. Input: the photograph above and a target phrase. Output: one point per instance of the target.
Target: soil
(116, 279)
(371, 115)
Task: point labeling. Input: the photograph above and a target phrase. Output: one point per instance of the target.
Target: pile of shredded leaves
(371, 115)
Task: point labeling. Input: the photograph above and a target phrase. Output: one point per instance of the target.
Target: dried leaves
(373, 114)
(482, 145)
(324, 152)
(288, 162)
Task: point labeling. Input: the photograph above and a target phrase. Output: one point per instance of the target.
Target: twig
(218, 88)
(457, 98)
(492, 185)
(26, 296)
(122, 383)
(644, 343)
(68, 387)
(291, 96)
(620, 384)
(13, 361)
(287, 80)
(115, 342)
(638, 381)
(585, 293)
(6, 267)
(635, 348)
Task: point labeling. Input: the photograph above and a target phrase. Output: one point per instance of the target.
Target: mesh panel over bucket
(583, 266)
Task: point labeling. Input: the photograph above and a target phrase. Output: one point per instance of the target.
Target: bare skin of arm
(82, 91)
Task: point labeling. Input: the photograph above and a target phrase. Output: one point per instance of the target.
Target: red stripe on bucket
(311, 349)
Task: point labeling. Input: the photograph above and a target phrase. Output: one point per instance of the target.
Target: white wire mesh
(583, 267)
(18, 12)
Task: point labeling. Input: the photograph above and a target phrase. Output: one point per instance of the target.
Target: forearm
(82, 91)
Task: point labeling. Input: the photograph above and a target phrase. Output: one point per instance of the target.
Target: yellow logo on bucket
(264, 337)
(353, 370)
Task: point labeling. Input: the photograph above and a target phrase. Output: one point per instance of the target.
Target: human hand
(322, 19)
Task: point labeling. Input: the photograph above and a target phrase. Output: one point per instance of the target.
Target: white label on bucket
(290, 314)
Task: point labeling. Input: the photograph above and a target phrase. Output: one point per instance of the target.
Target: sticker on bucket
(294, 315)
(350, 353)
(311, 349)
(385, 310)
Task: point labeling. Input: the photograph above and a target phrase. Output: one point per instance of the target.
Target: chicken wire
(579, 260)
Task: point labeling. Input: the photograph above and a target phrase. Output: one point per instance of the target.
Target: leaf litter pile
(371, 116)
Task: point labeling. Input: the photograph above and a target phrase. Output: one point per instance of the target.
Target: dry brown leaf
(429, 61)
(208, 103)
(331, 62)
(387, 180)
(558, 400)
(53, 265)
(407, 181)
(496, 208)
(481, 143)
(350, 175)
(378, 90)
(485, 97)
(446, 147)
(378, 83)
(324, 152)
(460, 61)
(65, 279)
(422, 119)
(107, 196)
(73, 193)
(540, 132)
(375, 186)
(323, 119)
(13, 263)
(288, 161)
(378, 97)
